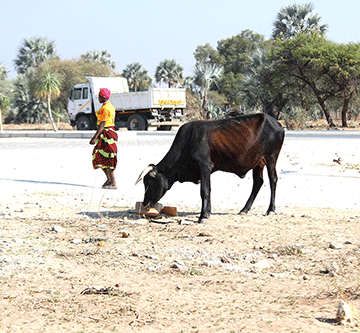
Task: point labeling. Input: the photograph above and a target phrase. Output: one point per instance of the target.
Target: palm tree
(3, 72)
(26, 107)
(170, 72)
(103, 57)
(294, 19)
(4, 103)
(206, 75)
(47, 85)
(136, 76)
(33, 52)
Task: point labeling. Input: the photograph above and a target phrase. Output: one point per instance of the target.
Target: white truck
(159, 107)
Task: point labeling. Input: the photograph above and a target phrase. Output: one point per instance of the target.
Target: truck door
(79, 101)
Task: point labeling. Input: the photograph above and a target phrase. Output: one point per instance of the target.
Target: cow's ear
(153, 174)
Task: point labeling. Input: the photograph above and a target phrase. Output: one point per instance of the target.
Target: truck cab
(80, 107)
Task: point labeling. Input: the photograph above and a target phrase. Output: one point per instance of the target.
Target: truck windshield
(76, 93)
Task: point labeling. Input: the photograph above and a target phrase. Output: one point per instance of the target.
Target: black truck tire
(84, 123)
(137, 122)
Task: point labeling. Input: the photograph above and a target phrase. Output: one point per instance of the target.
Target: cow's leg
(205, 189)
(273, 178)
(258, 180)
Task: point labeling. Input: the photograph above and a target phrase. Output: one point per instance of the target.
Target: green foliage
(295, 19)
(206, 54)
(3, 72)
(137, 77)
(295, 119)
(27, 108)
(33, 52)
(102, 57)
(206, 75)
(46, 85)
(233, 55)
(329, 70)
(170, 72)
(4, 103)
(234, 51)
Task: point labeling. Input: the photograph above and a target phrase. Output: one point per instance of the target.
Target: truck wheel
(164, 128)
(83, 124)
(136, 123)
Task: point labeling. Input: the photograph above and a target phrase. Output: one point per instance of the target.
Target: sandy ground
(66, 266)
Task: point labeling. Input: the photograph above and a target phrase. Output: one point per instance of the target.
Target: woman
(105, 140)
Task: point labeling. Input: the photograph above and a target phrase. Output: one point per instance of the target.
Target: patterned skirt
(105, 151)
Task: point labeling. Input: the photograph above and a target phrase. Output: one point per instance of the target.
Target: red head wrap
(104, 92)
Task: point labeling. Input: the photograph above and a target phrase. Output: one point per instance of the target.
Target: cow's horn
(144, 173)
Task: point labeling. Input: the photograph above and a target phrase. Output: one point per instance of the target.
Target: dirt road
(65, 265)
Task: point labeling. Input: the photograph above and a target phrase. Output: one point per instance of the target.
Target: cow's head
(156, 185)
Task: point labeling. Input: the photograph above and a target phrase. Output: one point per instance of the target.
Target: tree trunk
(344, 111)
(205, 108)
(50, 115)
(326, 112)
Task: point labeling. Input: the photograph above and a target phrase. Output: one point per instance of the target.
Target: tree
(71, 72)
(330, 70)
(33, 52)
(233, 56)
(27, 107)
(136, 76)
(48, 84)
(341, 66)
(206, 54)
(295, 19)
(102, 57)
(4, 103)
(206, 75)
(260, 87)
(3, 72)
(170, 72)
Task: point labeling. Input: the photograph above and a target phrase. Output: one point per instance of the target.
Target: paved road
(308, 175)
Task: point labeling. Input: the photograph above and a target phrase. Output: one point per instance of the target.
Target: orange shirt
(106, 113)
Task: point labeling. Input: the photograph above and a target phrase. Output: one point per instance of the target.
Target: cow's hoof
(243, 212)
(202, 219)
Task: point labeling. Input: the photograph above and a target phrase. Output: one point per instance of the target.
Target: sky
(150, 31)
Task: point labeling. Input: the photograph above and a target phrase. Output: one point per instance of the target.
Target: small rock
(332, 268)
(180, 266)
(262, 264)
(150, 256)
(57, 228)
(277, 275)
(335, 246)
(233, 268)
(124, 234)
(212, 263)
(76, 241)
(306, 277)
(347, 314)
(19, 240)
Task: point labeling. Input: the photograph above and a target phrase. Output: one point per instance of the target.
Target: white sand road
(308, 175)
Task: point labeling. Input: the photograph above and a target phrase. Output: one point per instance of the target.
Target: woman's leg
(110, 176)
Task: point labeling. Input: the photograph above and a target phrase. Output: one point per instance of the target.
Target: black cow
(237, 145)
